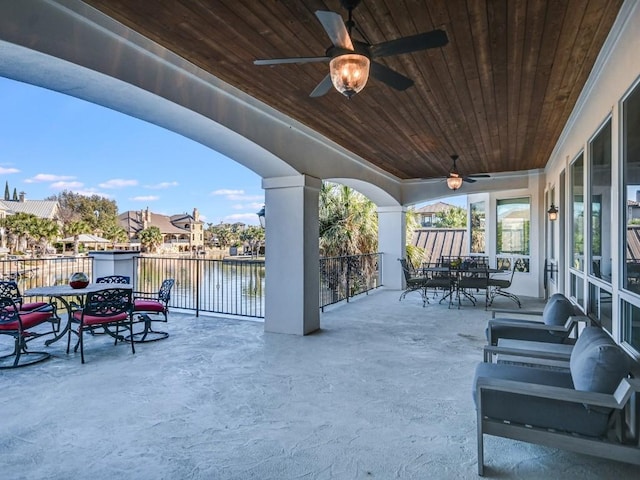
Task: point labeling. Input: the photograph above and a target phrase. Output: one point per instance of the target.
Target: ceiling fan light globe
(349, 73)
(454, 182)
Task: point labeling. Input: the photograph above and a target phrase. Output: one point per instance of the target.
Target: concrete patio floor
(382, 391)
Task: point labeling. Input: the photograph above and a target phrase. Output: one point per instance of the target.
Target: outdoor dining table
(65, 293)
(456, 274)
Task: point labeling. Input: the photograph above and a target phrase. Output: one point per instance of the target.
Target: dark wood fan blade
(334, 26)
(421, 41)
(276, 61)
(390, 77)
(479, 175)
(469, 180)
(323, 87)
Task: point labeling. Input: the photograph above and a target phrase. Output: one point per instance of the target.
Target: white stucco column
(113, 262)
(392, 239)
(292, 278)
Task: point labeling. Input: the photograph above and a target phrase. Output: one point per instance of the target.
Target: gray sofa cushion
(557, 310)
(597, 364)
(536, 411)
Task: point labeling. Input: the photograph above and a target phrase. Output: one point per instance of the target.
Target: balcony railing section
(36, 272)
(347, 276)
(230, 287)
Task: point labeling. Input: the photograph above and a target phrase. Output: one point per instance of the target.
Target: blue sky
(50, 142)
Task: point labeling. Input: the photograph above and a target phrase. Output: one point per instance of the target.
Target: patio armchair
(590, 408)
(10, 289)
(415, 282)
(111, 307)
(147, 304)
(555, 324)
(18, 324)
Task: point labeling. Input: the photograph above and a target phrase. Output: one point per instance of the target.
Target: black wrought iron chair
(146, 304)
(20, 325)
(414, 281)
(121, 279)
(111, 307)
(498, 286)
(10, 289)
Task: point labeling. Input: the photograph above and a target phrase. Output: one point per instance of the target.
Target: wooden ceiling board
(498, 94)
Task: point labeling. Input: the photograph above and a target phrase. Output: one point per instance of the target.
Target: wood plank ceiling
(498, 94)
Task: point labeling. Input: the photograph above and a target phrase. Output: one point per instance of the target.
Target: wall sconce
(553, 213)
(261, 217)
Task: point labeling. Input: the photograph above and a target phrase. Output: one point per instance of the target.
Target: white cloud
(7, 171)
(91, 192)
(251, 218)
(237, 206)
(227, 192)
(118, 183)
(145, 198)
(162, 185)
(65, 185)
(48, 177)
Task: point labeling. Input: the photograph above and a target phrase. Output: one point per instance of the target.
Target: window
(600, 183)
(477, 222)
(631, 189)
(513, 227)
(631, 325)
(577, 210)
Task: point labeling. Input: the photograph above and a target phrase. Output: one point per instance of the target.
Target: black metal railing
(36, 272)
(344, 277)
(230, 287)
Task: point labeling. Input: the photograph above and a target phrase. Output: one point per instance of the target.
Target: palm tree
(415, 254)
(348, 222)
(348, 227)
(75, 229)
(150, 238)
(18, 229)
(116, 234)
(45, 231)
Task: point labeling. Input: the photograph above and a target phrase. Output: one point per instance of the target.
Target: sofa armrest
(490, 350)
(616, 400)
(513, 312)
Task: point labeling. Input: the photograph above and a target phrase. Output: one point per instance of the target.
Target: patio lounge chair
(555, 324)
(146, 304)
(19, 325)
(590, 409)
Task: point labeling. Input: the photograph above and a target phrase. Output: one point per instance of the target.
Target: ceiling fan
(351, 61)
(454, 179)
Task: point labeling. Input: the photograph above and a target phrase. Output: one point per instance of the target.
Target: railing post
(348, 279)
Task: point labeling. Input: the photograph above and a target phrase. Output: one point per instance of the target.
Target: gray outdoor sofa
(557, 323)
(589, 408)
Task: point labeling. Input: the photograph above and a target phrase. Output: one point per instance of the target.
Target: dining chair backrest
(164, 294)
(122, 279)
(11, 290)
(108, 302)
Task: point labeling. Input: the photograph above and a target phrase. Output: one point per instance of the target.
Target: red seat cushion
(32, 306)
(93, 320)
(142, 305)
(28, 320)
